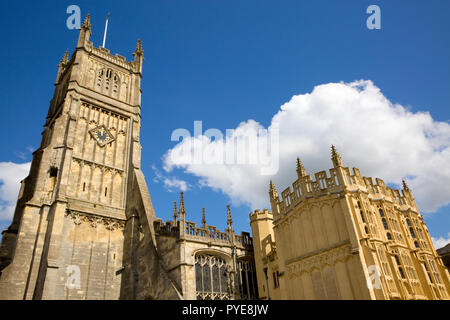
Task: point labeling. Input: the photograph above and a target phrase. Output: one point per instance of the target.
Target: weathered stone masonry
(85, 204)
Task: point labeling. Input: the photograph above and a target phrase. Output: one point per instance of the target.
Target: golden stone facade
(342, 236)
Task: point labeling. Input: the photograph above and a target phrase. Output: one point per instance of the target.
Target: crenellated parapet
(168, 228)
(378, 190)
(116, 59)
(335, 181)
(85, 44)
(96, 72)
(212, 235)
(265, 214)
(185, 230)
(100, 53)
(306, 187)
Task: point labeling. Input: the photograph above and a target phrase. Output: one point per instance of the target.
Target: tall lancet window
(107, 82)
(107, 87)
(246, 279)
(115, 86)
(211, 277)
(99, 80)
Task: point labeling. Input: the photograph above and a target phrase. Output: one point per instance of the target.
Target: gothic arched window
(211, 277)
(116, 85)
(413, 235)
(99, 81)
(362, 216)
(384, 224)
(246, 279)
(103, 82)
(107, 81)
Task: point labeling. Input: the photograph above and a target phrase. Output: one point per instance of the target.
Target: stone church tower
(83, 224)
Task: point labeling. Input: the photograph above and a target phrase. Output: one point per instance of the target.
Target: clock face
(102, 135)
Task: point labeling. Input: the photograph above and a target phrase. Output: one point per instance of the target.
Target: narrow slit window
(53, 172)
(385, 224)
(413, 235)
(401, 273)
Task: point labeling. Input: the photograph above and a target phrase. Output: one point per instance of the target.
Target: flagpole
(106, 28)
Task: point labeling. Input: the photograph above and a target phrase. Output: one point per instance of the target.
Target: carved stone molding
(104, 168)
(306, 207)
(319, 261)
(94, 220)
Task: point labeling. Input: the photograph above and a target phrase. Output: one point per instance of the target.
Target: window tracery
(211, 277)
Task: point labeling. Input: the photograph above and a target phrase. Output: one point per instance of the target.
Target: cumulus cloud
(170, 183)
(441, 242)
(381, 138)
(10, 176)
(174, 183)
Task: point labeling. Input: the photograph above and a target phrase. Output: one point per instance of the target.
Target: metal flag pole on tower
(106, 28)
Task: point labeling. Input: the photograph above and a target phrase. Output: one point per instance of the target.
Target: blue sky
(224, 62)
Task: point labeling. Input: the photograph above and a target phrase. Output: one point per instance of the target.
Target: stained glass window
(211, 277)
(215, 278)
(246, 277)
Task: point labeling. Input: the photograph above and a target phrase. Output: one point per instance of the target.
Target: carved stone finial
(175, 213)
(229, 220)
(301, 172)
(64, 59)
(405, 186)
(138, 50)
(85, 32)
(335, 157)
(203, 218)
(272, 190)
(87, 22)
(62, 65)
(182, 209)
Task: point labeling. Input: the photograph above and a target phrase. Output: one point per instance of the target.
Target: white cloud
(441, 242)
(174, 183)
(170, 183)
(10, 176)
(381, 138)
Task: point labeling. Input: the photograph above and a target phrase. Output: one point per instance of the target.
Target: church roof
(444, 250)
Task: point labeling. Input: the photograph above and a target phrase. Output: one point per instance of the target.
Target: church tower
(83, 224)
